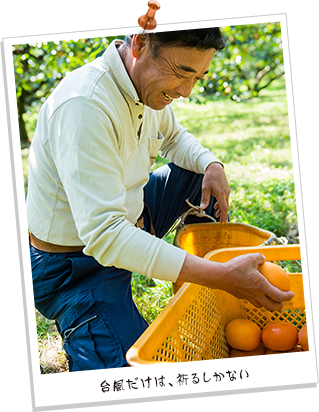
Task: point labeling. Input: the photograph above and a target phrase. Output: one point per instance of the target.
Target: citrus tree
(40, 66)
(251, 60)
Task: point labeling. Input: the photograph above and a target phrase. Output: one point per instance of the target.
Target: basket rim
(224, 225)
(271, 253)
(244, 227)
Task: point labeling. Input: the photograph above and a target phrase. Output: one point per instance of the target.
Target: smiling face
(171, 74)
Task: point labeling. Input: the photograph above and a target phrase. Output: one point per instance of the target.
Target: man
(97, 137)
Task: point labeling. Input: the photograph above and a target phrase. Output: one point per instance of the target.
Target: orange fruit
(243, 334)
(303, 337)
(236, 353)
(275, 275)
(279, 336)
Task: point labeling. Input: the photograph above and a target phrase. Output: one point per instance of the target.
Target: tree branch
(270, 81)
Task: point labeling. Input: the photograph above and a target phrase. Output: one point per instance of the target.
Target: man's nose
(185, 88)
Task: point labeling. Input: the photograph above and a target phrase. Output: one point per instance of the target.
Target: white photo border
(73, 389)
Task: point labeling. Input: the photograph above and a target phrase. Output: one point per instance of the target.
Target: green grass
(150, 296)
(252, 139)
(52, 357)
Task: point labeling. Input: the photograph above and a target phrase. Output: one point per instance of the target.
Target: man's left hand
(215, 184)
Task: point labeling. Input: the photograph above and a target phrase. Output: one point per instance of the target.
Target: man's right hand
(239, 277)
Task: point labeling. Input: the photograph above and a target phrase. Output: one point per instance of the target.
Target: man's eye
(180, 76)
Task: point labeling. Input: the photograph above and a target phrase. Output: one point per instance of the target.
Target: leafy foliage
(39, 68)
(252, 59)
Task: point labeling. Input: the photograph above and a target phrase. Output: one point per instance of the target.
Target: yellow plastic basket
(199, 239)
(191, 327)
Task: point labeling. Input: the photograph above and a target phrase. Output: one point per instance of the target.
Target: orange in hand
(243, 334)
(275, 275)
(279, 336)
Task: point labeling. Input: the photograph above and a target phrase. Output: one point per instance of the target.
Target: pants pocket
(80, 347)
(88, 337)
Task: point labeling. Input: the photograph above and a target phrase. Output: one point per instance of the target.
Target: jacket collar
(113, 60)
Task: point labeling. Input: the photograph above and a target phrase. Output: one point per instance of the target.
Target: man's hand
(243, 280)
(215, 184)
(239, 276)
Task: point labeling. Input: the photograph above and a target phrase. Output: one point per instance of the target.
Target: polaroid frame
(86, 388)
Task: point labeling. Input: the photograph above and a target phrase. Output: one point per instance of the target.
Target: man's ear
(138, 45)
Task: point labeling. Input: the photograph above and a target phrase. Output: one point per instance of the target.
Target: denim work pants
(92, 304)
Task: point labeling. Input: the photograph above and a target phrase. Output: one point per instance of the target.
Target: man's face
(170, 75)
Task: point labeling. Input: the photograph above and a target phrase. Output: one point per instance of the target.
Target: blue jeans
(92, 304)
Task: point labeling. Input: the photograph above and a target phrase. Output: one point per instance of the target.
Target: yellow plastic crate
(200, 239)
(191, 327)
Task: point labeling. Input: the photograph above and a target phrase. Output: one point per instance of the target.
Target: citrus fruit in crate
(275, 275)
(236, 353)
(303, 337)
(243, 334)
(279, 336)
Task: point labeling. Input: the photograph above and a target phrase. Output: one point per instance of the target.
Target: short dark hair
(203, 39)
